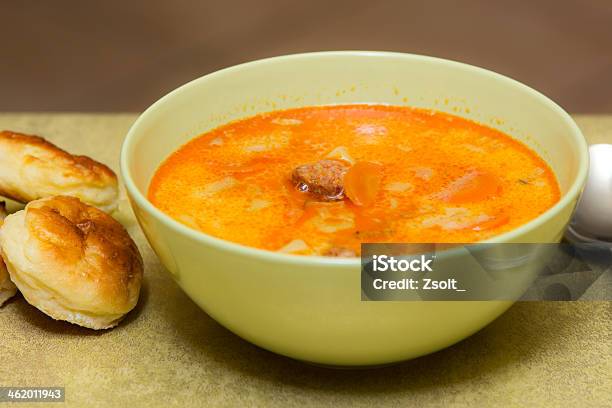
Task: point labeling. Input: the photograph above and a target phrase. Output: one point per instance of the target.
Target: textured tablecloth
(168, 351)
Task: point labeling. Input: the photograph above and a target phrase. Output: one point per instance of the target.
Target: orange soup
(321, 180)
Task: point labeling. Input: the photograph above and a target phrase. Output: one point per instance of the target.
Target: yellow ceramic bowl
(309, 308)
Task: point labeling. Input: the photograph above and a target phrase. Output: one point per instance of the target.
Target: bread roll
(34, 168)
(7, 288)
(72, 261)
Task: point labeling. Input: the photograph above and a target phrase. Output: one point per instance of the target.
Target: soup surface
(323, 179)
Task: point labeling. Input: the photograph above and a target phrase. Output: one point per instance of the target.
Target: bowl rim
(143, 202)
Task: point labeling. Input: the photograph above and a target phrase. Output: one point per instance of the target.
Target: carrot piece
(362, 182)
(478, 187)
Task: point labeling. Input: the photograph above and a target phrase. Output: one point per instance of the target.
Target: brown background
(74, 55)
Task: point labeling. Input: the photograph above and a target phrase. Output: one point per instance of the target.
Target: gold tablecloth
(168, 351)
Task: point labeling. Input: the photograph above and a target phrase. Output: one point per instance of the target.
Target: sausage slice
(324, 179)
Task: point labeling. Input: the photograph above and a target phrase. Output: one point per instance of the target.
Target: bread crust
(72, 261)
(34, 168)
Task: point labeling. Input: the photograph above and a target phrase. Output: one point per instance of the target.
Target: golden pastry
(34, 168)
(7, 288)
(72, 261)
